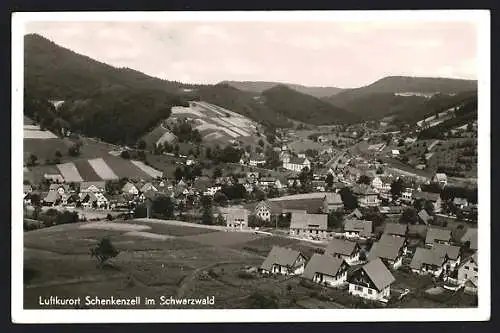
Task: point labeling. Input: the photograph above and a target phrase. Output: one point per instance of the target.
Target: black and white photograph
(328, 163)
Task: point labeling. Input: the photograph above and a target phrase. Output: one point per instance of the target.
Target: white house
(236, 218)
(440, 178)
(326, 270)
(297, 164)
(427, 261)
(130, 188)
(95, 187)
(468, 270)
(343, 249)
(358, 229)
(309, 225)
(372, 281)
(283, 261)
(265, 210)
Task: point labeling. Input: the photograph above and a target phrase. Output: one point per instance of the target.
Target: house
(212, 190)
(266, 209)
(318, 185)
(390, 253)
(427, 261)
(395, 153)
(344, 249)
(468, 271)
(257, 160)
(460, 202)
(268, 182)
(424, 217)
(334, 201)
(367, 197)
(372, 281)
(441, 179)
(471, 237)
(252, 177)
(94, 200)
(130, 188)
(326, 270)
(400, 242)
(59, 188)
(27, 189)
(283, 261)
(297, 164)
(407, 195)
(451, 252)
(148, 187)
(377, 182)
(236, 218)
(437, 236)
(94, 186)
(356, 214)
(435, 198)
(309, 225)
(358, 229)
(53, 198)
(396, 229)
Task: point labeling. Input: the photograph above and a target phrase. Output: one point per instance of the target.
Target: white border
(19, 315)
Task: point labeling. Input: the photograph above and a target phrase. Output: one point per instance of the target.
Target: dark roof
(379, 274)
(451, 251)
(395, 229)
(365, 228)
(272, 206)
(437, 234)
(323, 264)
(297, 160)
(471, 236)
(311, 205)
(383, 251)
(281, 256)
(399, 242)
(363, 189)
(426, 256)
(309, 221)
(340, 246)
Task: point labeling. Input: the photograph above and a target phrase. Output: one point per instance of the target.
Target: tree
(409, 216)
(261, 142)
(273, 192)
(429, 207)
(74, 150)
(164, 206)
(104, 251)
(178, 173)
(217, 173)
(364, 179)
(32, 160)
(348, 198)
(125, 154)
(220, 198)
(397, 187)
(335, 220)
(329, 180)
(380, 171)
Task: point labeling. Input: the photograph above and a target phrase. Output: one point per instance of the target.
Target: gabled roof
(470, 236)
(202, 183)
(298, 160)
(426, 256)
(148, 187)
(460, 201)
(437, 234)
(451, 251)
(128, 186)
(52, 196)
(340, 246)
(357, 213)
(281, 256)
(378, 273)
(323, 264)
(424, 216)
(441, 177)
(395, 229)
(364, 228)
(309, 221)
(99, 184)
(272, 206)
(384, 251)
(55, 187)
(396, 241)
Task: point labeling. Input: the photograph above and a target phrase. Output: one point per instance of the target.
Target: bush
(245, 275)
(104, 251)
(109, 217)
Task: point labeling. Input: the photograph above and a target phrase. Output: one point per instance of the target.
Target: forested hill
(305, 108)
(259, 87)
(58, 73)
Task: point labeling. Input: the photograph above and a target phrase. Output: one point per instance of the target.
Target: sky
(316, 53)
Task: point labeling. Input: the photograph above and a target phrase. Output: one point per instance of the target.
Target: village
(366, 219)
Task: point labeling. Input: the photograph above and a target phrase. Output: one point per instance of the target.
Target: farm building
(343, 249)
(283, 261)
(468, 271)
(471, 237)
(266, 209)
(334, 201)
(437, 235)
(296, 163)
(371, 281)
(310, 202)
(326, 270)
(95, 186)
(367, 197)
(427, 261)
(358, 229)
(313, 225)
(396, 229)
(236, 218)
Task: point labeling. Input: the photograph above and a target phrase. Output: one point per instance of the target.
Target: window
(370, 291)
(475, 269)
(359, 288)
(466, 267)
